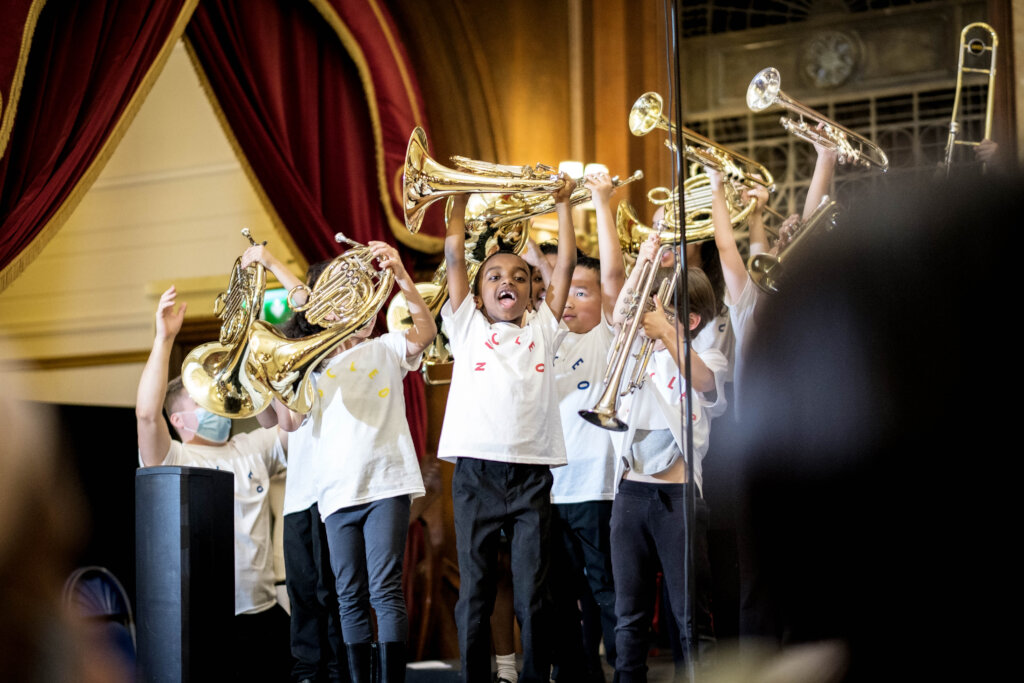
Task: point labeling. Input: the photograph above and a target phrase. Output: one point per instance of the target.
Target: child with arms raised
(647, 525)
(501, 429)
(582, 491)
(366, 471)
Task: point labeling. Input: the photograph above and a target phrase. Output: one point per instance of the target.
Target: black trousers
(260, 644)
(315, 632)
(647, 533)
(490, 497)
(582, 572)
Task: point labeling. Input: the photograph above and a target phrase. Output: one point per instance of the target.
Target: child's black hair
(297, 325)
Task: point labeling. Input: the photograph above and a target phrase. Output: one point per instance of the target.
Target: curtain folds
(72, 86)
(319, 111)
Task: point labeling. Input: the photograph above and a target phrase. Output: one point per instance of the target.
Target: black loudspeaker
(185, 579)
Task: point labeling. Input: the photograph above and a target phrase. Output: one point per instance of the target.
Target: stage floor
(660, 670)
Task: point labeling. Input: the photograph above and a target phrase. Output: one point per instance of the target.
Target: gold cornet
(604, 413)
(766, 89)
(647, 114)
(976, 48)
(214, 374)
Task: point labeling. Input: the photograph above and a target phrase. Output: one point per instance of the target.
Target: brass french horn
(346, 297)
(215, 374)
(253, 362)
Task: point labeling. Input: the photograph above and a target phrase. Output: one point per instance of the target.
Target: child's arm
(423, 327)
(733, 268)
(154, 436)
(535, 257)
(613, 272)
(658, 327)
(824, 168)
(565, 261)
(455, 252)
(260, 254)
(647, 252)
(757, 234)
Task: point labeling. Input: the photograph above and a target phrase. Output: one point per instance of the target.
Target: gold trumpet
(766, 89)
(604, 413)
(766, 270)
(976, 48)
(345, 298)
(647, 114)
(214, 374)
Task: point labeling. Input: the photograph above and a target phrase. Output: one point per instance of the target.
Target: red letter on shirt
(480, 366)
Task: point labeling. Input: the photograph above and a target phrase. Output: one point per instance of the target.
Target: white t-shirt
(719, 334)
(657, 404)
(502, 404)
(363, 447)
(741, 314)
(253, 458)
(300, 486)
(579, 370)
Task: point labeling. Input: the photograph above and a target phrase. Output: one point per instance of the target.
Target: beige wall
(168, 207)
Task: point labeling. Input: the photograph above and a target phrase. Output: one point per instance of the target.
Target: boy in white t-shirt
(366, 471)
(647, 525)
(260, 641)
(582, 491)
(501, 429)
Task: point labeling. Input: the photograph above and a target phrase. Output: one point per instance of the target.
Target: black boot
(392, 662)
(360, 662)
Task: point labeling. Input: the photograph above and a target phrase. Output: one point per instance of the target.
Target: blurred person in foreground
(40, 529)
(876, 420)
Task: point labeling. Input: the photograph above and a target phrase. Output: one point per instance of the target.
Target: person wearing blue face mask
(260, 624)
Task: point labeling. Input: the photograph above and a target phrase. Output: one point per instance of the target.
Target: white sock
(507, 667)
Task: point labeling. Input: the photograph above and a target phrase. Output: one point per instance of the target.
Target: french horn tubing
(215, 374)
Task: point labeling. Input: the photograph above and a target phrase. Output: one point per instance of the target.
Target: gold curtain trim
(417, 241)
(7, 122)
(254, 181)
(10, 273)
(400, 61)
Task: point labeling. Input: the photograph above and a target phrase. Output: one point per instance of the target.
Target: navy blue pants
(315, 633)
(582, 567)
(490, 497)
(367, 544)
(647, 534)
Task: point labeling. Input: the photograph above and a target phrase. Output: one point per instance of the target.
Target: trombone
(976, 48)
(765, 89)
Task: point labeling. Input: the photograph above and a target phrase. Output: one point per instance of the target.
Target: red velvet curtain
(87, 68)
(320, 103)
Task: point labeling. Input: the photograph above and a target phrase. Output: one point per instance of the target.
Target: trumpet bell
(646, 114)
(764, 89)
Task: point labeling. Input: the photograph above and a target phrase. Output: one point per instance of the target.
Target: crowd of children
(588, 517)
